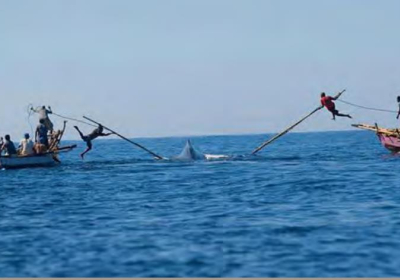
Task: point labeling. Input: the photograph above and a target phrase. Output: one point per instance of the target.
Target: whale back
(190, 153)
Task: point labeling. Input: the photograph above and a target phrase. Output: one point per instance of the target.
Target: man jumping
(93, 135)
(327, 101)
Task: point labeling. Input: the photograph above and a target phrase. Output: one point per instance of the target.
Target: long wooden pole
(292, 126)
(126, 139)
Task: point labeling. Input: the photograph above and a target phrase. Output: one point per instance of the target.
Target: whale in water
(189, 153)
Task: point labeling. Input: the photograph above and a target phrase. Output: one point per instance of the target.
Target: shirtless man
(88, 138)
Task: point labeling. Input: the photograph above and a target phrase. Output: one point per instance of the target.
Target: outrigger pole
(126, 139)
(291, 127)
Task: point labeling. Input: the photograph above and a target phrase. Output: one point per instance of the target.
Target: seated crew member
(26, 146)
(8, 147)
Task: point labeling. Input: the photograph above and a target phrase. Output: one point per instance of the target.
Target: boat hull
(390, 142)
(28, 161)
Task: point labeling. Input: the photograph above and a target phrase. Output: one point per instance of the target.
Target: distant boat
(389, 138)
(47, 159)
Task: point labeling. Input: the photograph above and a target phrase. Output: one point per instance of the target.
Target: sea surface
(311, 204)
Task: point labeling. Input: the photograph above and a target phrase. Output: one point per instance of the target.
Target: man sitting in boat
(327, 101)
(41, 134)
(26, 146)
(8, 147)
(88, 138)
(44, 115)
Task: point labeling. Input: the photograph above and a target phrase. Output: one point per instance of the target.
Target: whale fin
(190, 153)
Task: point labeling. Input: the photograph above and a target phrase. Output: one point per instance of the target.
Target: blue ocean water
(312, 204)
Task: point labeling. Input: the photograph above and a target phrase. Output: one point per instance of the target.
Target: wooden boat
(389, 138)
(48, 158)
(28, 161)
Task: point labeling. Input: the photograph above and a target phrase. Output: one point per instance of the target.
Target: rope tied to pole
(73, 119)
(367, 108)
(31, 110)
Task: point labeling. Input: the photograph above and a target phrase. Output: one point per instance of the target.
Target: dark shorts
(88, 141)
(44, 140)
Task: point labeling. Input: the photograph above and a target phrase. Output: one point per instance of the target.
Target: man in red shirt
(327, 101)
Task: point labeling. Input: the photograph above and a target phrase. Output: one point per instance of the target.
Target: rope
(367, 108)
(30, 113)
(72, 119)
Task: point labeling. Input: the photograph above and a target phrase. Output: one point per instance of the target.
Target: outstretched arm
(106, 134)
(338, 95)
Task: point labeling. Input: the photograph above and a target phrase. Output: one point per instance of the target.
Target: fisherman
(26, 146)
(93, 135)
(398, 101)
(327, 101)
(8, 147)
(41, 134)
(44, 115)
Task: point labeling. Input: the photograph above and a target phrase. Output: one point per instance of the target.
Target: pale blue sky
(182, 67)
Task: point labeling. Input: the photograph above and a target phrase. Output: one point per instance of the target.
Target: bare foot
(83, 156)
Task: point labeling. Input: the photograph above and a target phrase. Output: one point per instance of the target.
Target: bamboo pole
(126, 139)
(279, 135)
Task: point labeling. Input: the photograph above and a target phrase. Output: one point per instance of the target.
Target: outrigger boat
(46, 159)
(389, 138)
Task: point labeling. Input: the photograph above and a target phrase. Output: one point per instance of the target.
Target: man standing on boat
(327, 102)
(41, 134)
(398, 101)
(44, 115)
(88, 138)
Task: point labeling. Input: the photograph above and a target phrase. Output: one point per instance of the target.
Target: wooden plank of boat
(28, 161)
(385, 131)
